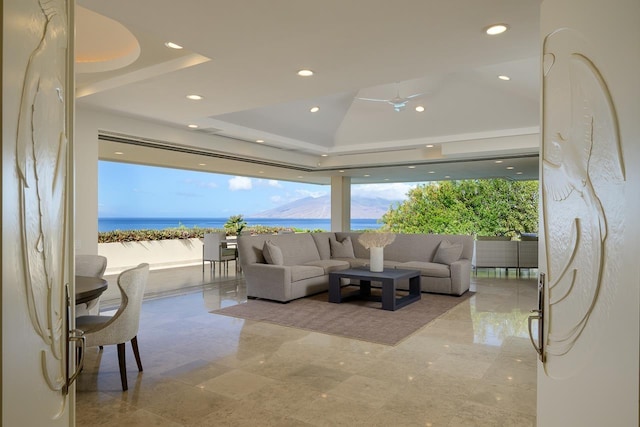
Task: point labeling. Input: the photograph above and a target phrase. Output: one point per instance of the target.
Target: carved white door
(37, 106)
(590, 188)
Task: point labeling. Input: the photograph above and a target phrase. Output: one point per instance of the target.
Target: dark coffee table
(388, 280)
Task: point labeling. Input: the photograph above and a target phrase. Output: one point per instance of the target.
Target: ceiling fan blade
(415, 95)
(374, 99)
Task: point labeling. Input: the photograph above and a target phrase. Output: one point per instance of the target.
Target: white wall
(157, 253)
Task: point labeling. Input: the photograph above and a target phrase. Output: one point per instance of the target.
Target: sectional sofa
(289, 266)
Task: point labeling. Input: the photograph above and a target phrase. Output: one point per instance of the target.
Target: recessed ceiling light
(194, 97)
(496, 29)
(419, 108)
(498, 161)
(366, 176)
(202, 164)
(314, 109)
(510, 167)
(173, 45)
(411, 167)
(193, 126)
(305, 73)
(518, 173)
(260, 171)
(432, 171)
(299, 176)
(118, 152)
(324, 155)
(259, 141)
(503, 77)
(447, 176)
(386, 179)
(429, 145)
(341, 171)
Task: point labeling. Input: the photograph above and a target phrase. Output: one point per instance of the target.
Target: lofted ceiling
(242, 57)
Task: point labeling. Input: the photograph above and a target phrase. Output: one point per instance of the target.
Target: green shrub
(180, 232)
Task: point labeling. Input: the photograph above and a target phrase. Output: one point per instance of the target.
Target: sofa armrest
(460, 276)
(268, 281)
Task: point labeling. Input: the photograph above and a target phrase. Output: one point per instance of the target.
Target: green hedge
(181, 233)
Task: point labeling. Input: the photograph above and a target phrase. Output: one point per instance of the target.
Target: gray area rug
(362, 320)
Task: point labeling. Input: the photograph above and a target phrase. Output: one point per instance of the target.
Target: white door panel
(589, 216)
(36, 177)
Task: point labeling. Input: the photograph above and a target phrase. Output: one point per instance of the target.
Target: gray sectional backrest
(415, 247)
(322, 243)
(296, 248)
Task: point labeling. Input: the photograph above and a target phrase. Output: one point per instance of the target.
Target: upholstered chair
(90, 266)
(122, 326)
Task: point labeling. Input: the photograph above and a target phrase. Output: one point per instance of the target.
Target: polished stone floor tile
(318, 377)
(236, 383)
(328, 410)
(505, 397)
(141, 417)
(476, 415)
(246, 414)
(189, 406)
(367, 391)
(473, 366)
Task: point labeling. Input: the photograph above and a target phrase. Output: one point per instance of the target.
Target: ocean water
(110, 224)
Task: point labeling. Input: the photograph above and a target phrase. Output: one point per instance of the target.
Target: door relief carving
(581, 174)
(41, 154)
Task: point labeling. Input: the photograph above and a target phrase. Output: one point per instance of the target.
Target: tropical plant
(235, 224)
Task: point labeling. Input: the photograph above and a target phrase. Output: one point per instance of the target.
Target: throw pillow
(448, 252)
(272, 253)
(342, 249)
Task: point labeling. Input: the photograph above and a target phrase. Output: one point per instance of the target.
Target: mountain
(320, 207)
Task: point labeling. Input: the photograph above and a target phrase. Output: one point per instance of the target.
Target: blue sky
(126, 190)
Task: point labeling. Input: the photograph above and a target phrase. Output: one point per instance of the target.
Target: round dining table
(89, 288)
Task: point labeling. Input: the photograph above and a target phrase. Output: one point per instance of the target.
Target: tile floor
(474, 366)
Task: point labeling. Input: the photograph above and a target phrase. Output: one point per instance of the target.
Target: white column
(86, 183)
(340, 203)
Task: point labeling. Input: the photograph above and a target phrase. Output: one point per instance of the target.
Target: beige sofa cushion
(448, 252)
(355, 262)
(301, 272)
(329, 265)
(341, 249)
(272, 253)
(426, 268)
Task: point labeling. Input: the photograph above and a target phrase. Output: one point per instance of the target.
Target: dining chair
(215, 249)
(122, 326)
(90, 266)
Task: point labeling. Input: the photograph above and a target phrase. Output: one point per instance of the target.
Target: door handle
(72, 336)
(538, 347)
(539, 317)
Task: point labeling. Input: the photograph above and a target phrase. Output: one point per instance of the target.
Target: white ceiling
(242, 56)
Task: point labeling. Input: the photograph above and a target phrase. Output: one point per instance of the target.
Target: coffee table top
(365, 273)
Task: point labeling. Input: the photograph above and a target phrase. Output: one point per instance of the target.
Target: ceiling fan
(398, 102)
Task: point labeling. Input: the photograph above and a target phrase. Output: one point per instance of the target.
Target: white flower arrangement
(373, 239)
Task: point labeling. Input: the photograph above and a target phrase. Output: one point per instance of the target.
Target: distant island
(320, 207)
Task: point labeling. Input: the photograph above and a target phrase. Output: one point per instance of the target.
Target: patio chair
(122, 326)
(90, 266)
(215, 249)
